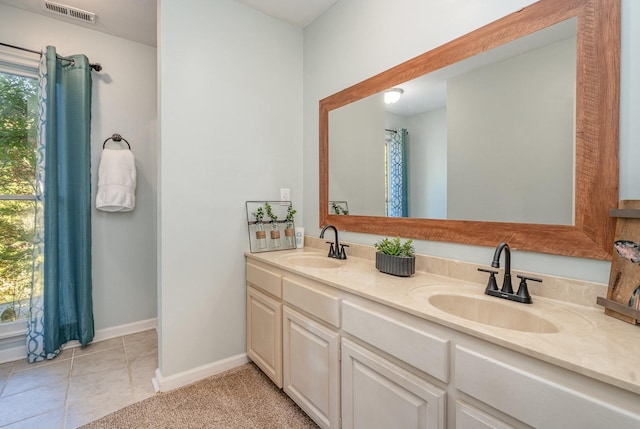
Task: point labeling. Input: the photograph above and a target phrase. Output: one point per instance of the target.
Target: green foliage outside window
(18, 126)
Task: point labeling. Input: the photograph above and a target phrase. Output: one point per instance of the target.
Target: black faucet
(336, 250)
(506, 283)
(507, 289)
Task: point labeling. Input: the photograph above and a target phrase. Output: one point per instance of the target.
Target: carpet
(242, 397)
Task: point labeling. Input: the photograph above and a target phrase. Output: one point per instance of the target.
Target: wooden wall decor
(623, 295)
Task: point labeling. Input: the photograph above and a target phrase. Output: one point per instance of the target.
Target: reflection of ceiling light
(392, 95)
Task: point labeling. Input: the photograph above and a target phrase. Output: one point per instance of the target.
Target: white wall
(356, 39)
(231, 127)
(124, 101)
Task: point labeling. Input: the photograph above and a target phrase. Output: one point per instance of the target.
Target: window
(18, 126)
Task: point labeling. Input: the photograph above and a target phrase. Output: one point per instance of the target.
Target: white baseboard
(20, 352)
(14, 353)
(127, 329)
(164, 384)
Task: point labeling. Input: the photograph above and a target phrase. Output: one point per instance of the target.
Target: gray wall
(231, 127)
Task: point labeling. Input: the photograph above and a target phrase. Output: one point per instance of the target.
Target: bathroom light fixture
(392, 95)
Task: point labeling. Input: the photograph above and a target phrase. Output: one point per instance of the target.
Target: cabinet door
(311, 367)
(264, 333)
(379, 394)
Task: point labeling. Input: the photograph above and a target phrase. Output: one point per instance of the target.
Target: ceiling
(136, 19)
(297, 12)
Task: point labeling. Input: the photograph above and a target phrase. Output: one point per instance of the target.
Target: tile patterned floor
(80, 385)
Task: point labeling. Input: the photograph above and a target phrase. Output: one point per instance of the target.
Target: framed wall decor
(270, 225)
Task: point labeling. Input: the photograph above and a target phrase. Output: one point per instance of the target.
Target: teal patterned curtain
(61, 304)
(397, 174)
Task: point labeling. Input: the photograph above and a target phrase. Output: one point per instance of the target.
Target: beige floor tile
(141, 345)
(142, 372)
(42, 375)
(113, 381)
(95, 362)
(144, 391)
(80, 385)
(32, 403)
(23, 364)
(5, 368)
(50, 420)
(90, 409)
(98, 347)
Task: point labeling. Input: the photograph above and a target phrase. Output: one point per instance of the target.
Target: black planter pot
(403, 266)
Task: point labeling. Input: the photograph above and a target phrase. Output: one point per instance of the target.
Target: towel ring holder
(116, 138)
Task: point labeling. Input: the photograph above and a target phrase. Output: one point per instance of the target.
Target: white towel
(116, 181)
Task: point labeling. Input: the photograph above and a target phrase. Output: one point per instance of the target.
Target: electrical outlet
(285, 195)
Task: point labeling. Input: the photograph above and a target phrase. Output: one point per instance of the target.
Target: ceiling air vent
(68, 11)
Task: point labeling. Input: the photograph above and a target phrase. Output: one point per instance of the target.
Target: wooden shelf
(625, 213)
(619, 308)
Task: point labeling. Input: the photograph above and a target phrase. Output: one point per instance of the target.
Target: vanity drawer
(536, 400)
(402, 336)
(468, 416)
(266, 280)
(315, 299)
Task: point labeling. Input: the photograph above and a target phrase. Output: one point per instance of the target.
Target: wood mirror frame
(596, 152)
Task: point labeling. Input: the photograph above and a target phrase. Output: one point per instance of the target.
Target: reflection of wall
(428, 164)
(357, 139)
(479, 104)
(393, 121)
(427, 161)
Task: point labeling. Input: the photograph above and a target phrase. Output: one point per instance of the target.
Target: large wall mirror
(509, 133)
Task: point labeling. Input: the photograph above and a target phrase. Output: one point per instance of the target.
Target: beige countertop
(586, 341)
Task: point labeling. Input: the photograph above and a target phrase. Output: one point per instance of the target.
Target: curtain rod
(95, 66)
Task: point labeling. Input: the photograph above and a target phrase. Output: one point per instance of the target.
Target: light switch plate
(285, 194)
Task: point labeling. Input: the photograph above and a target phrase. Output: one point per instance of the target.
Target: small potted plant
(289, 232)
(275, 230)
(338, 209)
(261, 234)
(395, 257)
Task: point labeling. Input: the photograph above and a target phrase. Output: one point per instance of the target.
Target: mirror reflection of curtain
(61, 305)
(397, 174)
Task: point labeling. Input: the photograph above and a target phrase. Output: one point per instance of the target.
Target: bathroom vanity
(356, 348)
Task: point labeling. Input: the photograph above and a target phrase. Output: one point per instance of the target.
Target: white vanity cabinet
(468, 416)
(359, 361)
(264, 320)
(311, 349)
(535, 393)
(376, 393)
(311, 367)
(379, 393)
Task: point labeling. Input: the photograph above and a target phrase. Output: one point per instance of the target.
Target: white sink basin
(493, 312)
